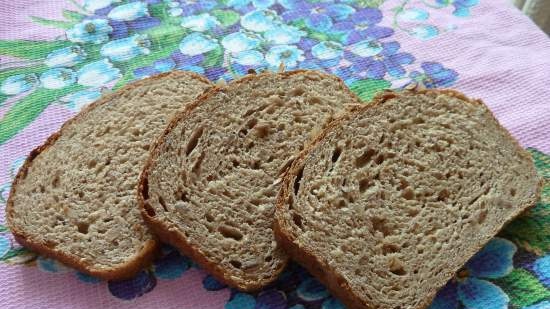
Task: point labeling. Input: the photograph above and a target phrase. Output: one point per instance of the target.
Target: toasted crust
(150, 248)
(320, 268)
(170, 235)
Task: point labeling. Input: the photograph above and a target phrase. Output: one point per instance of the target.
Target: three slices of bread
(383, 205)
(74, 198)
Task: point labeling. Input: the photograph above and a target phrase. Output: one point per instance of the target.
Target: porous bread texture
(210, 185)
(392, 199)
(74, 199)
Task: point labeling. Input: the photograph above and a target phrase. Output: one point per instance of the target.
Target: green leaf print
(542, 162)
(226, 17)
(367, 88)
(73, 16)
(532, 229)
(369, 3)
(3, 228)
(30, 49)
(18, 256)
(52, 23)
(28, 108)
(522, 288)
(213, 58)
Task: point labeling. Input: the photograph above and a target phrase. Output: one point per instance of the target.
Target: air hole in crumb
(336, 154)
(255, 165)
(162, 203)
(297, 220)
(261, 131)
(297, 180)
(145, 147)
(230, 232)
(296, 92)
(235, 264)
(379, 159)
(418, 120)
(408, 194)
(92, 163)
(403, 183)
(362, 160)
(268, 258)
(193, 140)
(251, 123)
(443, 195)
(513, 192)
(55, 182)
(290, 202)
(255, 202)
(341, 204)
(209, 217)
(379, 225)
(82, 227)
(196, 169)
(314, 100)
(364, 184)
(482, 216)
(80, 194)
(389, 248)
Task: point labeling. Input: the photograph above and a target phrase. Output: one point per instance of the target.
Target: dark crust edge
(320, 268)
(168, 233)
(150, 248)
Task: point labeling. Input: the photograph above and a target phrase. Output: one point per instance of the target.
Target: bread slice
(74, 199)
(211, 183)
(392, 199)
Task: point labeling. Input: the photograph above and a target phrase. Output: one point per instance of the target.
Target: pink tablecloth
(57, 56)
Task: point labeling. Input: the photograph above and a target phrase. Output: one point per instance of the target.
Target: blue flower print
(317, 16)
(328, 52)
(57, 78)
(493, 261)
(15, 166)
(164, 65)
(241, 301)
(271, 299)
(387, 60)
(413, 14)
(332, 303)
(424, 32)
(126, 48)
(246, 60)
(4, 245)
(289, 55)
(260, 20)
(65, 57)
(262, 4)
(284, 35)
(361, 25)
(249, 57)
(87, 278)
(541, 267)
(183, 62)
(311, 290)
(93, 5)
(212, 284)
(192, 7)
(97, 73)
(201, 22)
(171, 266)
(93, 31)
(17, 84)
(75, 101)
(50, 265)
(434, 75)
(130, 11)
(240, 41)
(196, 43)
(542, 305)
(238, 4)
(462, 7)
(143, 23)
(129, 289)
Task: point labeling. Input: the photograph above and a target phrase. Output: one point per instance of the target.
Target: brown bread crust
(316, 265)
(150, 248)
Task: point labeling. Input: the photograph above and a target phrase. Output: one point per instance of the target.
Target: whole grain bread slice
(74, 199)
(210, 185)
(391, 200)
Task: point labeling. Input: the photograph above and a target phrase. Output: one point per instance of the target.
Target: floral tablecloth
(58, 56)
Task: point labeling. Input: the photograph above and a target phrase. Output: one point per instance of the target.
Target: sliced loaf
(74, 199)
(210, 185)
(392, 199)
